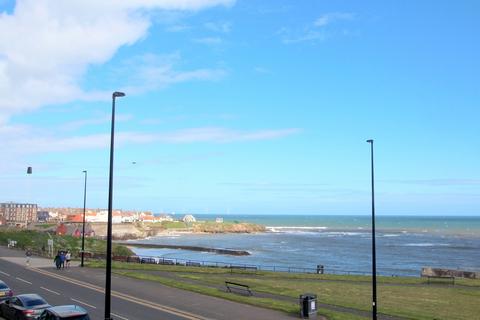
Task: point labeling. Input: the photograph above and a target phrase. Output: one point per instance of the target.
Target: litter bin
(308, 305)
(320, 268)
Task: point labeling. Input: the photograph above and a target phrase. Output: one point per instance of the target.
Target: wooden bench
(437, 273)
(238, 287)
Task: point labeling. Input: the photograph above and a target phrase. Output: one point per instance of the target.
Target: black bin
(308, 305)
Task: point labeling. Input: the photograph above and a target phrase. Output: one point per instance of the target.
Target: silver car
(69, 312)
(23, 307)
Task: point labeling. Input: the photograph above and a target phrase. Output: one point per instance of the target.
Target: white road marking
(116, 315)
(84, 303)
(23, 280)
(50, 291)
(146, 303)
(5, 273)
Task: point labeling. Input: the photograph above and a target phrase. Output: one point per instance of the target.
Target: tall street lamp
(108, 280)
(84, 208)
(374, 258)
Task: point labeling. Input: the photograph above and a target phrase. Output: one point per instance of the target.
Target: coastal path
(131, 298)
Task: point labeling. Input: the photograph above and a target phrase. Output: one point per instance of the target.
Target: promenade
(131, 299)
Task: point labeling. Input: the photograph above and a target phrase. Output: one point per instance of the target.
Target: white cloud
(308, 35)
(177, 28)
(47, 45)
(261, 70)
(103, 119)
(151, 71)
(25, 140)
(209, 40)
(329, 18)
(439, 182)
(222, 135)
(315, 32)
(221, 27)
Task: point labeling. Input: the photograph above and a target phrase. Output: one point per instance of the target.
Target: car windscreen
(34, 302)
(3, 286)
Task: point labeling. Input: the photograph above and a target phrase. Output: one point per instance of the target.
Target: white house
(189, 218)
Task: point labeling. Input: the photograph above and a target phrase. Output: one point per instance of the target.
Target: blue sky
(243, 107)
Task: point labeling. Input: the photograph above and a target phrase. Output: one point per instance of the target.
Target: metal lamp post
(84, 208)
(29, 172)
(108, 280)
(374, 258)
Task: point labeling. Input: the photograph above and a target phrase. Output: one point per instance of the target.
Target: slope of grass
(37, 241)
(397, 296)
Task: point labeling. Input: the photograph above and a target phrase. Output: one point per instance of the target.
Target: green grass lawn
(397, 296)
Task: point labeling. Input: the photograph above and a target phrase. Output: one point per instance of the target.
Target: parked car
(70, 312)
(5, 291)
(23, 307)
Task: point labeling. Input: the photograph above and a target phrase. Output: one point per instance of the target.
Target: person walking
(62, 259)
(68, 257)
(28, 254)
(58, 261)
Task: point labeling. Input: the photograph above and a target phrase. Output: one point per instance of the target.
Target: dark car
(23, 307)
(5, 291)
(70, 312)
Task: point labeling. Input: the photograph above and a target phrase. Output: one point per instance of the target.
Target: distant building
(18, 214)
(189, 218)
(74, 218)
(61, 230)
(74, 229)
(43, 216)
(219, 220)
(163, 217)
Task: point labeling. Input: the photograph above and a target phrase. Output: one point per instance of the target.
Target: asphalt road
(131, 298)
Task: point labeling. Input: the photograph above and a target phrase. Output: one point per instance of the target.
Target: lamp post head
(370, 141)
(84, 171)
(117, 94)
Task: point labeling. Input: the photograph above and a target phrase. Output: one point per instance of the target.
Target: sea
(341, 244)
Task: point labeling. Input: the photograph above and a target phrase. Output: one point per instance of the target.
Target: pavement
(131, 298)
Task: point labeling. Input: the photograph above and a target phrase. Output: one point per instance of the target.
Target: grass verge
(397, 296)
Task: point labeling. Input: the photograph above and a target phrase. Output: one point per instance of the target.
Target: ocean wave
(426, 244)
(344, 233)
(302, 229)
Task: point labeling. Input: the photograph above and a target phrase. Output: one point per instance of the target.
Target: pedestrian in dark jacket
(58, 261)
(62, 259)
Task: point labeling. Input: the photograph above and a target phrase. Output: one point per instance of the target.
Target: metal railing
(240, 266)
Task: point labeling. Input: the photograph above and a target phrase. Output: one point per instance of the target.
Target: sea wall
(123, 230)
(438, 272)
(190, 248)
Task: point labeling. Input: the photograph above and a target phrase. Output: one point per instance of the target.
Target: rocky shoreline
(136, 231)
